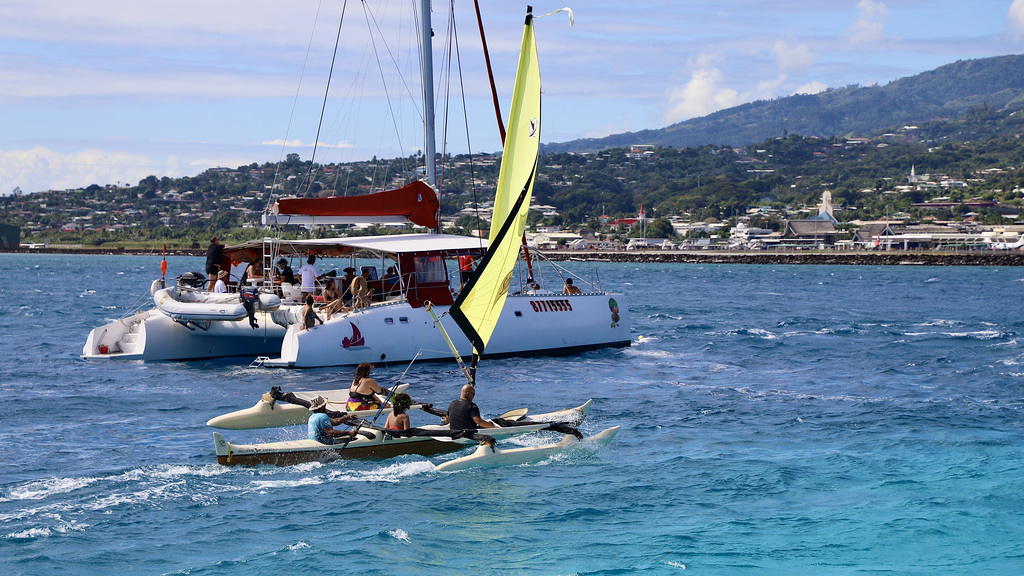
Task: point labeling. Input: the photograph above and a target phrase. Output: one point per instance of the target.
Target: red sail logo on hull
(355, 340)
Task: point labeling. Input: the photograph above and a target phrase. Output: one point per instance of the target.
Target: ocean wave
(60, 526)
(971, 335)
(399, 534)
(755, 332)
(391, 473)
(40, 489)
(261, 486)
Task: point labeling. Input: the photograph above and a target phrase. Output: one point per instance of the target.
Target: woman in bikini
(309, 316)
(332, 299)
(361, 393)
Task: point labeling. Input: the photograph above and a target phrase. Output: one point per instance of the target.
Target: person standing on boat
(309, 275)
(569, 288)
(345, 285)
(466, 262)
(463, 414)
(321, 426)
(361, 392)
(220, 287)
(214, 260)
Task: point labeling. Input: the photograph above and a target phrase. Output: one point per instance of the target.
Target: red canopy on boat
(416, 202)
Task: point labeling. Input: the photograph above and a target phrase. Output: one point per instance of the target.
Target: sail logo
(355, 340)
(533, 126)
(503, 289)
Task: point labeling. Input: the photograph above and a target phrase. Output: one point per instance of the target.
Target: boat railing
(536, 274)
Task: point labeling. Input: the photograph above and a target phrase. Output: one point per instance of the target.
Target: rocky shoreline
(894, 258)
(898, 258)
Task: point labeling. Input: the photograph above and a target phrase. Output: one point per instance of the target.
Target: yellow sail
(479, 304)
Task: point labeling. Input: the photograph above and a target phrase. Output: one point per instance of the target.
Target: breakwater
(889, 258)
(819, 258)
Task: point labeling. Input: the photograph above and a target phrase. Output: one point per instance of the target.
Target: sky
(113, 91)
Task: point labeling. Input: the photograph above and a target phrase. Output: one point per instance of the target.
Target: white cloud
(797, 57)
(707, 91)
(811, 88)
(607, 130)
(702, 95)
(301, 144)
(766, 88)
(1015, 15)
(870, 24)
(40, 169)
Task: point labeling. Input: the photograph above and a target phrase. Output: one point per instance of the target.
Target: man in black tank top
(463, 414)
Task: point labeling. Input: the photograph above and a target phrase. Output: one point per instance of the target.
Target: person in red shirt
(466, 262)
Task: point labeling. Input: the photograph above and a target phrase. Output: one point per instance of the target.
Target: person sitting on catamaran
(463, 414)
(220, 287)
(398, 419)
(309, 315)
(321, 426)
(361, 392)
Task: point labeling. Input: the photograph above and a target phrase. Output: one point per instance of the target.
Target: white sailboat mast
(428, 93)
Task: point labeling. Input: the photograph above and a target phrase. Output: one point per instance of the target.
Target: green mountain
(945, 93)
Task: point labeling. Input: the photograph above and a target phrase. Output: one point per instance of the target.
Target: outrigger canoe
(270, 413)
(375, 442)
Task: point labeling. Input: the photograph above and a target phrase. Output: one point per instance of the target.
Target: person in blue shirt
(321, 426)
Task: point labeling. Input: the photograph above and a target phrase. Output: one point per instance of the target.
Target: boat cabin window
(430, 270)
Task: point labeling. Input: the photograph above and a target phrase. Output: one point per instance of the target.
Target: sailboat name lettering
(551, 305)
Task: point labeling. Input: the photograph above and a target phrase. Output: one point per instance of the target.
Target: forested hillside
(946, 93)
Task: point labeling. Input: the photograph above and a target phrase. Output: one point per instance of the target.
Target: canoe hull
(380, 446)
(488, 457)
(267, 414)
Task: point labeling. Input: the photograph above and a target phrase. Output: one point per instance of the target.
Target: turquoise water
(775, 419)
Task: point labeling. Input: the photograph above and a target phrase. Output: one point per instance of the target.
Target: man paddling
(321, 426)
(463, 414)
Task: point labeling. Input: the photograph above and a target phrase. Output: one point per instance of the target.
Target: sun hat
(317, 403)
(222, 274)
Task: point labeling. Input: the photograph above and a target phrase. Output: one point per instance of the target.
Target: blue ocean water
(775, 419)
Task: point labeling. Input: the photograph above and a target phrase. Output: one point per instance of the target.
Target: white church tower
(825, 210)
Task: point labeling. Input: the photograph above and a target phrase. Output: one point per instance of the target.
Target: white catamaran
(476, 312)
(395, 325)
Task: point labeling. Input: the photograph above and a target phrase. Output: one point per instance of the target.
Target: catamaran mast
(428, 94)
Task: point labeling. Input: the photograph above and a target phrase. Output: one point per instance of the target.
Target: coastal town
(777, 197)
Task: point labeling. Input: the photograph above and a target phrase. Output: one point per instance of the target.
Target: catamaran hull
(529, 325)
(152, 335)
